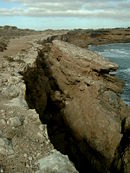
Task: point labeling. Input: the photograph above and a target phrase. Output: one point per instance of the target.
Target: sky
(65, 14)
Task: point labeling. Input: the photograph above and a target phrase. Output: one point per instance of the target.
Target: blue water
(120, 54)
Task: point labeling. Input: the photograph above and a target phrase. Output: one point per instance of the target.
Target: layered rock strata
(74, 94)
(71, 88)
(85, 37)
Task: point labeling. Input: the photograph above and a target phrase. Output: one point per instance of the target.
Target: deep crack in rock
(44, 94)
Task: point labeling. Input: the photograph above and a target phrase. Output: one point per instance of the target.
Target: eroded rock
(127, 125)
(92, 112)
(56, 163)
(6, 147)
(74, 94)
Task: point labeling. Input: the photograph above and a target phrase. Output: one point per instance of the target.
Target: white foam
(125, 70)
(115, 53)
(119, 53)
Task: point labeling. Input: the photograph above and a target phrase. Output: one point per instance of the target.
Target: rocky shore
(58, 96)
(85, 37)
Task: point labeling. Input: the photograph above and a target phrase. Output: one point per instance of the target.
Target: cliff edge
(58, 95)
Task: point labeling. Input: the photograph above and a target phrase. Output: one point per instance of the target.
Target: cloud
(11, 12)
(114, 9)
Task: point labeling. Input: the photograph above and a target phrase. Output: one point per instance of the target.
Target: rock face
(85, 37)
(23, 138)
(17, 141)
(74, 94)
(80, 91)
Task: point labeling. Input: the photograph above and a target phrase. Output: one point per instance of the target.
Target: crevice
(118, 164)
(44, 94)
(64, 141)
(41, 90)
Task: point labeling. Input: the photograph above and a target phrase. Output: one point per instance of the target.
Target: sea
(120, 54)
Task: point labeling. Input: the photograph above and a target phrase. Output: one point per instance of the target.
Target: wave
(120, 54)
(114, 53)
(120, 51)
(127, 70)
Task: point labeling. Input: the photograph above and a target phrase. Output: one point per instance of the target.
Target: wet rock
(57, 163)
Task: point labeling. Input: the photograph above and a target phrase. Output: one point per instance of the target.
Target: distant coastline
(84, 37)
(80, 37)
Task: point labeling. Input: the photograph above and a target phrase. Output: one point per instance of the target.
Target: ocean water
(120, 54)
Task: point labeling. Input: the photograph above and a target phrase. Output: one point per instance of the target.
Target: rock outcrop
(23, 138)
(56, 163)
(78, 91)
(85, 37)
(80, 111)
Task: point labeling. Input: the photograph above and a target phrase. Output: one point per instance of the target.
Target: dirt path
(20, 148)
(18, 44)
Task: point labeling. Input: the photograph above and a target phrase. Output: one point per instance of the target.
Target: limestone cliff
(85, 37)
(76, 109)
(74, 94)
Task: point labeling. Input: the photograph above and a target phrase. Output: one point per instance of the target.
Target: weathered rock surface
(85, 37)
(77, 83)
(20, 133)
(56, 163)
(72, 91)
(23, 138)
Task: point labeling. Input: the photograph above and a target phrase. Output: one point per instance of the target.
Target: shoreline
(114, 58)
(104, 44)
(83, 38)
(56, 95)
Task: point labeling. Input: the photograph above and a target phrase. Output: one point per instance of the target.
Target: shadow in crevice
(63, 140)
(118, 164)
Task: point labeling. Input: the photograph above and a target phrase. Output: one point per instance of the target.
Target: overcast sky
(57, 14)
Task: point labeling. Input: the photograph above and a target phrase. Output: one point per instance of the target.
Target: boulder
(56, 163)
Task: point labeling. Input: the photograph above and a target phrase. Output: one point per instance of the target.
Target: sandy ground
(18, 44)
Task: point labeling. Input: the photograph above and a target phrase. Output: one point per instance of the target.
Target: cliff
(80, 104)
(58, 95)
(85, 37)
